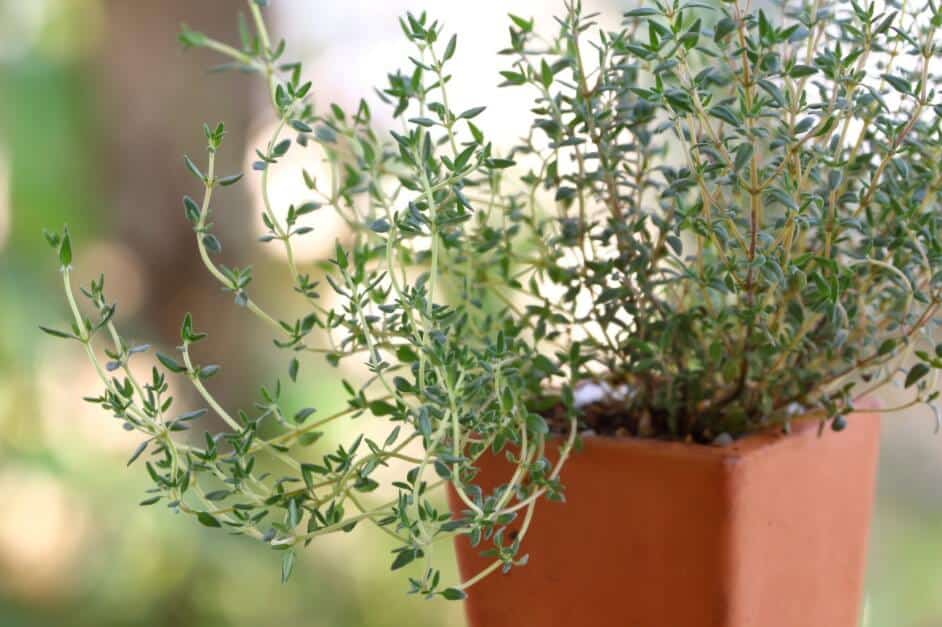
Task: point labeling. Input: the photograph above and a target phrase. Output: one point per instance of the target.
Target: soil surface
(607, 417)
(611, 416)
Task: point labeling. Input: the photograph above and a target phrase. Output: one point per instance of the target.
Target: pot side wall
(770, 532)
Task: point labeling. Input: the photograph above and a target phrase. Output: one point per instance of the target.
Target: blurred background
(97, 105)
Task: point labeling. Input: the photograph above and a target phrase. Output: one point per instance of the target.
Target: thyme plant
(720, 215)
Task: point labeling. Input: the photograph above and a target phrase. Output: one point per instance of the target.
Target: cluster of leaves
(719, 214)
(748, 205)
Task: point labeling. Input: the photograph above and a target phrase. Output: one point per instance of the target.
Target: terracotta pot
(769, 532)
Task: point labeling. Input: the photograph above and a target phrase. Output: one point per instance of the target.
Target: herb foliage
(722, 213)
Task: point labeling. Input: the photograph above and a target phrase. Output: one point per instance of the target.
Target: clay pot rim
(804, 427)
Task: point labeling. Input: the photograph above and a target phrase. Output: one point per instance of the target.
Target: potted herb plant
(719, 237)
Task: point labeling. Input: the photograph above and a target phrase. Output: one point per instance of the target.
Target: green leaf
(57, 333)
(471, 113)
(887, 347)
(512, 78)
(52, 238)
(382, 408)
(325, 134)
(642, 12)
(192, 167)
(801, 71)
(294, 514)
(546, 73)
(287, 566)
(340, 255)
(476, 133)
(426, 122)
(191, 210)
(537, 424)
(301, 127)
(212, 243)
(885, 24)
(138, 451)
(293, 369)
(191, 38)
(724, 113)
(773, 90)
(65, 250)
(170, 363)
(743, 155)
(804, 125)
(676, 244)
(450, 48)
(303, 414)
(454, 594)
(281, 149)
(406, 355)
(192, 415)
(392, 437)
(380, 226)
(898, 84)
(690, 39)
(916, 373)
(186, 328)
(205, 372)
(226, 181)
(310, 437)
(208, 520)
(781, 196)
(724, 28)
(524, 25)
(765, 27)
(403, 558)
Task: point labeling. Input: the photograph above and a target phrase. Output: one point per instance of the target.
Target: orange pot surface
(769, 532)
